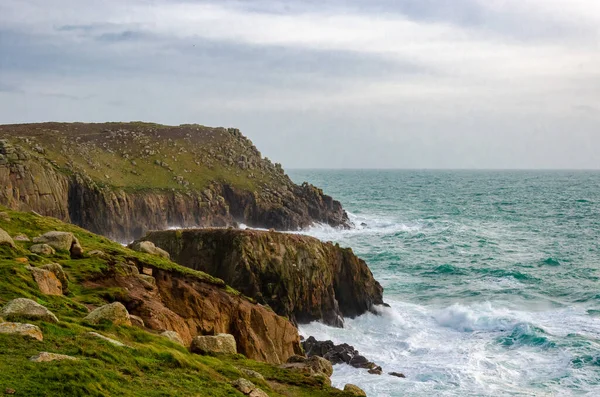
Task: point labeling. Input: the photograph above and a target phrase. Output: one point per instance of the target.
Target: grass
(128, 160)
(151, 365)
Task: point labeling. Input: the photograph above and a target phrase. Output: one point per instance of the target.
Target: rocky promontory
(122, 179)
(298, 276)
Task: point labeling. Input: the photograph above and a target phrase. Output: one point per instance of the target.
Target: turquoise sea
(493, 278)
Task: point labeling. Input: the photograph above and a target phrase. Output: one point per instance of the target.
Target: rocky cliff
(122, 179)
(298, 276)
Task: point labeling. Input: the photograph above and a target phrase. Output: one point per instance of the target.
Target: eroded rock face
(298, 276)
(191, 307)
(115, 313)
(27, 309)
(75, 190)
(28, 330)
(217, 344)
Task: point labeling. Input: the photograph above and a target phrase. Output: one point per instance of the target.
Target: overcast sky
(322, 84)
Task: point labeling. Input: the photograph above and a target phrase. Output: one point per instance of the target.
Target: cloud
(437, 69)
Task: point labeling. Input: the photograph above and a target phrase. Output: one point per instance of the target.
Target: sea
(492, 277)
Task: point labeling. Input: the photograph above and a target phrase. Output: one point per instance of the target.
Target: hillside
(149, 364)
(121, 179)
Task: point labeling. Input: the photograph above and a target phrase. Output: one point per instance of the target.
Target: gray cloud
(425, 84)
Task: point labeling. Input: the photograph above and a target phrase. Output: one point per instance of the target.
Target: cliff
(299, 277)
(122, 179)
(130, 357)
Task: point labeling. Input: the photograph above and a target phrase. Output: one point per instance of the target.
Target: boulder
(107, 339)
(59, 273)
(338, 354)
(149, 248)
(248, 388)
(173, 336)
(397, 374)
(126, 269)
(354, 390)
(27, 309)
(21, 237)
(98, 253)
(45, 357)
(47, 281)
(57, 240)
(115, 313)
(76, 250)
(149, 281)
(313, 365)
(218, 344)
(137, 321)
(252, 374)
(5, 239)
(42, 249)
(29, 330)
(4, 217)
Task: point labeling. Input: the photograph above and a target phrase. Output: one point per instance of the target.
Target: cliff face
(192, 307)
(298, 276)
(121, 180)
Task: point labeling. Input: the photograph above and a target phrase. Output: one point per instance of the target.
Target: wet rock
(45, 357)
(376, 370)
(114, 313)
(42, 249)
(47, 281)
(354, 390)
(29, 330)
(397, 374)
(218, 344)
(339, 354)
(5, 239)
(27, 309)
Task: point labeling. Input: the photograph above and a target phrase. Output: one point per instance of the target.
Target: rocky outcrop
(217, 344)
(114, 313)
(298, 276)
(192, 306)
(339, 354)
(28, 330)
(27, 309)
(121, 180)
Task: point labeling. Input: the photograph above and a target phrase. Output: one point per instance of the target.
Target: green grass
(150, 366)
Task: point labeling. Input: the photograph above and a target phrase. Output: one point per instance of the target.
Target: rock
(21, 260)
(313, 365)
(47, 281)
(337, 354)
(126, 269)
(354, 390)
(4, 217)
(218, 344)
(299, 277)
(136, 321)
(397, 374)
(173, 336)
(149, 248)
(57, 240)
(29, 330)
(21, 237)
(42, 249)
(248, 388)
(59, 273)
(115, 313)
(8, 390)
(252, 374)
(27, 309)
(149, 280)
(5, 239)
(45, 357)
(76, 250)
(106, 339)
(98, 253)
(376, 371)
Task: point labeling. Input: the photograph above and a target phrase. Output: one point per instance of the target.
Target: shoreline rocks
(339, 354)
(298, 276)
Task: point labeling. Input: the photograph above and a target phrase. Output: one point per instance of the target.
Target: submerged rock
(299, 277)
(27, 309)
(218, 344)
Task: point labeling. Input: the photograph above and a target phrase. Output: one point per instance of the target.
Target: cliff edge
(122, 179)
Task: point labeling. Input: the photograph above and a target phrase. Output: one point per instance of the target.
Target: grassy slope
(124, 155)
(153, 366)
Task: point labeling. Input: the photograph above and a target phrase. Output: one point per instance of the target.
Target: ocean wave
(481, 317)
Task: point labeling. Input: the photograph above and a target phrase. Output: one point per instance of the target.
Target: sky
(322, 84)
